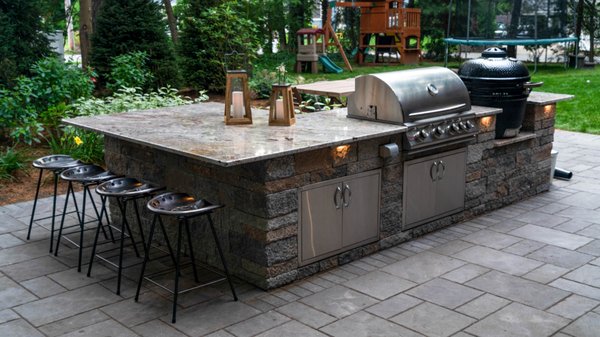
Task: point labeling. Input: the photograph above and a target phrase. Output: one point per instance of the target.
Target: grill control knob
(423, 134)
(439, 131)
(470, 125)
(454, 128)
(463, 126)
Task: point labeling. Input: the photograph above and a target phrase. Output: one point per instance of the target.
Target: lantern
(281, 105)
(237, 95)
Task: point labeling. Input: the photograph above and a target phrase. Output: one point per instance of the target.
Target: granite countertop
(543, 98)
(199, 131)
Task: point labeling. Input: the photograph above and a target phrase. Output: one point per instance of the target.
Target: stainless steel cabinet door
(321, 220)
(419, 191)
(361, 209)
(450, 187)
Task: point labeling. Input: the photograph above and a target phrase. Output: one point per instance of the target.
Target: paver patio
(530, 269)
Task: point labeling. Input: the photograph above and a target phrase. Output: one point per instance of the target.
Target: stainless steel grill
(433, 102)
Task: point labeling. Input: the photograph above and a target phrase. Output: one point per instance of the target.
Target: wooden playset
(385, 26)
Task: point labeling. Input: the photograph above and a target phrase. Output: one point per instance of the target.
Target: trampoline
(509, 42)
(522, 23)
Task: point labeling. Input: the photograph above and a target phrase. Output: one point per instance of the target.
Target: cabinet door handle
(337, 196)
(347, 201)
(442, 173)
(432, 169)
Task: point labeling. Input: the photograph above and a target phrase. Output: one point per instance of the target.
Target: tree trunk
(85, 31)
(579, 19)
(514, 26)
(172, 21)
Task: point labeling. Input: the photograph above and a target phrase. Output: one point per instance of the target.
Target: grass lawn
(579, 114)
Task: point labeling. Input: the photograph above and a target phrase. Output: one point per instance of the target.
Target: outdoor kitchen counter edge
(198, 131)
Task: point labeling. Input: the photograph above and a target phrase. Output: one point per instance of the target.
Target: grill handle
(529, 85)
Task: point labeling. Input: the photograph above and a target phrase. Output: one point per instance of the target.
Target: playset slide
(329, 65)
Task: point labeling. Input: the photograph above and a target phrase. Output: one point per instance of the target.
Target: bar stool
(86, 175)
(123, 189)
(183, 207)
(55, 163)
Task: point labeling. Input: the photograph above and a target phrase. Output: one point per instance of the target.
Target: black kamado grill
(498, 81)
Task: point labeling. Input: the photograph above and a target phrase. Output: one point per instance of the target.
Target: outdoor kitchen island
(326, 191)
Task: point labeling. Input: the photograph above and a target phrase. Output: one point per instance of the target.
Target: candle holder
(281, 110)
(237, 94)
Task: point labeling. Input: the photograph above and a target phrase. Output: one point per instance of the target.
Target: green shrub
(39, 101)
(261, 83)
(10, 161)
(207, 34)
(129, 71)
(134, 25)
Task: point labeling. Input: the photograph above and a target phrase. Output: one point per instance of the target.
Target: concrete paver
(529, 269)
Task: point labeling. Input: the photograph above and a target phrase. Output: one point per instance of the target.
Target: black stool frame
(56, 170)
(183, 222)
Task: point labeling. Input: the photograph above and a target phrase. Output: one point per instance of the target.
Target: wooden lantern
(281, 110)
(237, 98)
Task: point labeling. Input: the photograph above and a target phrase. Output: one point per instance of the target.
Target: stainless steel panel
(450, 189)
(361, 209)
(321, 220)
(434, 186)
(408, 95)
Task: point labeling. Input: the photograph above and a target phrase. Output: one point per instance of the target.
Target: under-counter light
(342, 151)
(486, 122)
(548, 109)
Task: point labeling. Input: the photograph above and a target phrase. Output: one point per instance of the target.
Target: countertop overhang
(198, 131)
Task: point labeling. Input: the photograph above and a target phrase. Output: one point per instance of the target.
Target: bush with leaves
(39, 101)
(134, 25)
(129, 71)
(11, 160)
(207, 34)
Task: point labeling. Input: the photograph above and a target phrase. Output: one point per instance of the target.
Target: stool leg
(177, 271)
(98, 215)
(164, 231)
(53, 210)
(89, 272)
(214, 233)
(137, 215)
(37, 193)
(146, 257)
(62, 218)
(123, 208)
(81, 227)
(189, 237)
(105, 212)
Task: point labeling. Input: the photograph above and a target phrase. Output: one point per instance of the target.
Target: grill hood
(408, 95)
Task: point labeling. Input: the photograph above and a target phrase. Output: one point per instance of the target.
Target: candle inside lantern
(237, 98)
(279, 109)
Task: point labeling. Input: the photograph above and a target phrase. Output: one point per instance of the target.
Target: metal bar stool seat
(86, 175)
(183, 207)
(123, 189)
(55, 163)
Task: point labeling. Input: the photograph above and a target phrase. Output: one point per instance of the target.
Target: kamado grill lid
(494, 64)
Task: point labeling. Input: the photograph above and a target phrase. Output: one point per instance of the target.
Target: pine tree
(124, 26)
(23, 39)
(207, 33)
